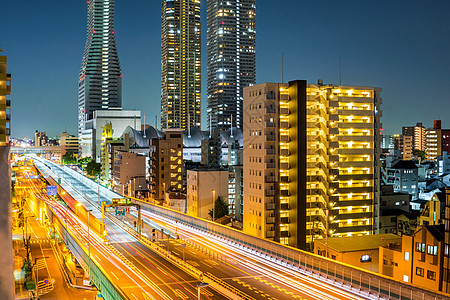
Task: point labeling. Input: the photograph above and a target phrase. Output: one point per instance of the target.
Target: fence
(338, 273)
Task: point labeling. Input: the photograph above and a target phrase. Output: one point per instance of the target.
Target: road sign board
(120, 211)
(52, 190)
(59, 180)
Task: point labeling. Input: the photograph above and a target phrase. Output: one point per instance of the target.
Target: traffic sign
(120, 211)
(52, 190)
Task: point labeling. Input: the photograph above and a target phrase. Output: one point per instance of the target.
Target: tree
(93, 168)
(68, 159)
(419, 153)
(84, 161)
(220, 209)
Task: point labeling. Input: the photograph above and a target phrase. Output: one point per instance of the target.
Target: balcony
(8, 103)
(270, 179)
(284, 97)
(270, 151)
(285, 139)
(270, 233)
(270, 110)
(270, 206)
(285, 193)
(285, 111)
(8, 117)
(270, 124)
(285, 125)
(285, 234)
(285, 206)
(285, 220)
(270, 138)
(270, 193)
(285, 179)
(285, 152)
(270, 220)
(285, 166)
(270, 165)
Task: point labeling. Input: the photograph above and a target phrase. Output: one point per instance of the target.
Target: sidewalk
(52, 283)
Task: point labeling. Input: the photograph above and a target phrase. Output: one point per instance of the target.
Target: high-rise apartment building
(418, 134)
(180, 64)
(5, 104)
(100, 79)
(6, 249)
(404, 143)
(311, 161)
(231, 59)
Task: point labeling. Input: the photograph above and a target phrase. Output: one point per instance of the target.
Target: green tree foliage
(220, 209)
(93, 168)
(419, 153)
(68, 159)
(85, 160)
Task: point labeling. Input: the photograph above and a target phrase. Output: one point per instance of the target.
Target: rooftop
(360, 243)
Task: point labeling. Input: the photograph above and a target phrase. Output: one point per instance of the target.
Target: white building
(91, 136)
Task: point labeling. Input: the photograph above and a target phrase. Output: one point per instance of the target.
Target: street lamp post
(214, 203)
(199, 286)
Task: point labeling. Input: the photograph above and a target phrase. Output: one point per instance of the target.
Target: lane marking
(114, 275)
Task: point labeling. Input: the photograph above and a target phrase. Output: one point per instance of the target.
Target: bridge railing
(98, 275)
(334, 272)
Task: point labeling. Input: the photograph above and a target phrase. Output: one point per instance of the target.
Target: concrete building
(166, 163)
(231, 60)
(311, 150)
(91, 136)
(181, 64)
(359, 251)
(204, 186)
(108, 147)
(404, 143)
(403, 175)
(126, 167)
(389, 199)
(387, 142)
(212, 150)
(40, 139)
(6, 249)
(418, 134)
(100, 77)
(68, 143)
(443, 164)
(433, 142)
(418, 260)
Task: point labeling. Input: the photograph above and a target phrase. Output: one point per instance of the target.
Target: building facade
(204, 186)
(311, 160)
(100, 78)
(91, 136)
(180, 64)
(418, 134)
(6, 248)
(231, 59)
(126, 167)
(404, 143)
(166, 163)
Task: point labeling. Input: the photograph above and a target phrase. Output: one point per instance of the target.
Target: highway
(257, 277)
(140, 272)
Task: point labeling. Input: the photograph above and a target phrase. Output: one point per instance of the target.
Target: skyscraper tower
(180, 64)
(100, 81)
(231, 59)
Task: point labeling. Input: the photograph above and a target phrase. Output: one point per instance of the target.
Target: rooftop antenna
(282, 67)
(189, 125)
(231, 126)
(340, 71)
(145, 136)
(156, 122)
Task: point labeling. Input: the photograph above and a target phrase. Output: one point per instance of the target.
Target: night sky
(402, 46)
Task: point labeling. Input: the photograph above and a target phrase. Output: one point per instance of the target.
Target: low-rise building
(403, 175)
(418, 259)
(204, 186)
(358, 251)
(127, 166)
(68, 143)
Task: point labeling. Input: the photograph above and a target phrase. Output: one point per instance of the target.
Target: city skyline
(402, 56)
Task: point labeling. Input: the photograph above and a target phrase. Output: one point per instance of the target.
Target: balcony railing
(270, 193)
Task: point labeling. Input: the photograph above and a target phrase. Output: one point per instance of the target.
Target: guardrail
(340, 274)
(98, 275)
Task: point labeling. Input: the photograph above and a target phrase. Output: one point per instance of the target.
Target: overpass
(293, 269)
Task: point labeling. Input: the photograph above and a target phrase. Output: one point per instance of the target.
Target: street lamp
(214, 203)
(199, 286)
(76, 207)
